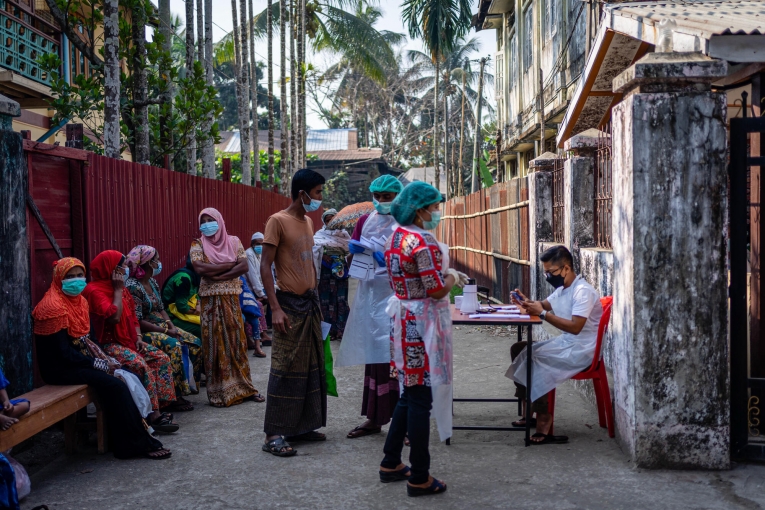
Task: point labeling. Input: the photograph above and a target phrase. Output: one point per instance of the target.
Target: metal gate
(747, 353)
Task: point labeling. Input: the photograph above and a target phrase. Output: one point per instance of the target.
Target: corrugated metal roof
(347, 155)
(424, 174)
(701, 17)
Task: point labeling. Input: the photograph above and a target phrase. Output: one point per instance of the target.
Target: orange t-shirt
(293, 239)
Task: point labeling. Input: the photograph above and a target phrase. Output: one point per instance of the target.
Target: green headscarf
(386, 184)
(414, 197)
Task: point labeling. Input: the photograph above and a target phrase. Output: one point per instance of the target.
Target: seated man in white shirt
(573, 308)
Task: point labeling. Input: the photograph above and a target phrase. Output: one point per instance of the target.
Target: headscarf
(188, 270)
(257, 235)
(57, 311)
(386, 184)
(415, 196)
(139, 256)
(220, 247)
(328, 212)
(101, 269)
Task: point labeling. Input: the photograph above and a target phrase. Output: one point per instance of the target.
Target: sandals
(522, 423)
(361, 432)
(437, 487)
(279, 447)
(181, 405)
(395, 476)
(257, 354)
(257, 398)
(550, 439)
(162, 454)
(308, 436)
(164, 424)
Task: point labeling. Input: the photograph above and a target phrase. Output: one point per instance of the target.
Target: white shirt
(253, 273)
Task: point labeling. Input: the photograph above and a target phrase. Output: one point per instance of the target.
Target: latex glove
(460, 278)
(380, 258)
(354, 248)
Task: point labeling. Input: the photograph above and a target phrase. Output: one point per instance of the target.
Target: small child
(12, 409)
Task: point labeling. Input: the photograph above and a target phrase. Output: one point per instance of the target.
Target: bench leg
(101, 430)
(70, 433)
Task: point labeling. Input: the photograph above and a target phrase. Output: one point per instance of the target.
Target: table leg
(520, 338)
(528, 385)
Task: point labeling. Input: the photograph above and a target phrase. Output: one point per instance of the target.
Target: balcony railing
(25, 35)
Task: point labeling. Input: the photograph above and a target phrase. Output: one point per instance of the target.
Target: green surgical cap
(415, 196)
(386, 184)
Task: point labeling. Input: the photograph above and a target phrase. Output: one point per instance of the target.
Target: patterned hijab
(221, 247)
(57, 311)
(139, 256)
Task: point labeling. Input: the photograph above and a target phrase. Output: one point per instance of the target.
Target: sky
(391, 20)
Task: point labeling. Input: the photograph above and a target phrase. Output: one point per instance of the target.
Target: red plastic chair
(596, 372)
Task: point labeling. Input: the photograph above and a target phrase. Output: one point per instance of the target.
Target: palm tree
(112, 143)
(245, 77)
(208, 150)
(244, 122)
(270, 25)
(284, 166)
(254, 97)
(439, 23)
(191, 152)
(293, 90)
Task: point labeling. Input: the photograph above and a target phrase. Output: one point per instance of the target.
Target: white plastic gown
(366, 339)
(434, 326)
(560, 358)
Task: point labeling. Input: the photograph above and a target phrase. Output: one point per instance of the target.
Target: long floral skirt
(152, 367)
(333, 296)
(174, 350)
(225, 351)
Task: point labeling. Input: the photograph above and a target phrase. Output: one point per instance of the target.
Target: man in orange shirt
(297, 388)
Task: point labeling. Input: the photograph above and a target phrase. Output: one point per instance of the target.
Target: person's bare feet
(7, 422)
(544, 422)
(389, 470)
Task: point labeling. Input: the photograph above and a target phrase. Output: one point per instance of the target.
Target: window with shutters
(528, 38)
(551, 15)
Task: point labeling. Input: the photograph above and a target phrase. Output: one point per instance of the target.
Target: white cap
(257, 235)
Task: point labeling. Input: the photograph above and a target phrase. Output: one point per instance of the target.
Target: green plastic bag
(329, 373)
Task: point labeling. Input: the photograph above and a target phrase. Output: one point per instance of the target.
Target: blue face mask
(258, 249)
(158, 269)
(313, 206)
(435, 218)
(382, 207)
(73, 286)
(127, 273)
(209, 229)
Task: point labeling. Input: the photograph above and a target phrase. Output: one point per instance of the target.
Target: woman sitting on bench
(62, 330)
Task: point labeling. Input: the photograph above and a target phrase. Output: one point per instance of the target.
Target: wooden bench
(49, 405)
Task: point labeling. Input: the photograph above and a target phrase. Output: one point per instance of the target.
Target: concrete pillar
(579, 192)
(15, 289)
(540, 212)
(671, 380)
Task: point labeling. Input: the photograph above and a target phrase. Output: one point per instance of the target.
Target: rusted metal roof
(348, 155)
(704, 18)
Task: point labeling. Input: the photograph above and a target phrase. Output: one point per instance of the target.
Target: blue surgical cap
(415, 196)
(386, 184)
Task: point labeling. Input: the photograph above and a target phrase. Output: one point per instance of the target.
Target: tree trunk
(477, 141)
(241, 99)
(301, 84)
(436, 168)
(245, 77)
(208, 149)
(284, 168)
(270, 32)
(446, 130)
(254, 97)
(200, 31)
(458, 187)
(166, 108)
(191, 143)
(111, 79)
(293, 89)
(141, 86)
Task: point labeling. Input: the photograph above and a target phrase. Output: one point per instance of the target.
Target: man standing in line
(297, 388)
(256, 284)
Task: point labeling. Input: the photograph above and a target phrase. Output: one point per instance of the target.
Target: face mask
(382, 207)
(258, 249)
(159, 269)
(555, 280)
(313, 206)
(73, 286)
(127, 273)
(435, 218)
(209, 229)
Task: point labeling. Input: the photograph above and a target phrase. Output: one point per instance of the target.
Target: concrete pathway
(217, 462)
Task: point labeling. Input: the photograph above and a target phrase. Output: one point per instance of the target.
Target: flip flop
(519, 424)
(166, 455)
(395, 476)
(257, 354)
(437, 487)
(361, 432)
(549, 439)
(257, 398)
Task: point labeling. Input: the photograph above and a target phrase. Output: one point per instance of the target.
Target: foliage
(236, 164)
(337, 194)
(483, 163)
(225, 84)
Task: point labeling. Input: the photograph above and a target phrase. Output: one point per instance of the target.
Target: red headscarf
(100, 295)
(57, 311)
(220, 247)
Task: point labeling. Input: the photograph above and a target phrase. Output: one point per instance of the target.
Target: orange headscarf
(58, 311)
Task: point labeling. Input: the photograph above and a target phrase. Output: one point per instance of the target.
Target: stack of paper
(498, 316)
(364, 266)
